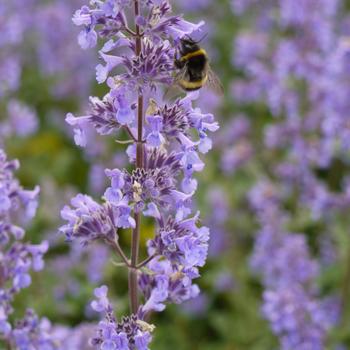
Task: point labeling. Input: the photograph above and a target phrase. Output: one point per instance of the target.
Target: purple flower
(158, 295)
(16, 261)
(191, 161)
(79, 131)
(125, 115)
(88, 220)
(288, 273)
(236, 156)
(290, 257)
(152, 66)
(152, 210)
(125, 218)
(106, 116)
(180, 287)
(159, 22)
(119, 335)
(87, 39)
(154, 138)
(37, 252)
(183, 28)
(21, 279)
(50, 44)
(22, 119)
(32, 332)
(114, 194)
(75, 338)
(292, 315)
(142, 340)
(11, 193)
(174, 122)
(102, 302)
(82, 17)
(103, 71)
(155, 183)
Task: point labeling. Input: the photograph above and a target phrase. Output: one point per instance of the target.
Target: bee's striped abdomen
(193, 85)
(188, 56)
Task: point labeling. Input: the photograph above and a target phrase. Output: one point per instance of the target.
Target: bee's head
(188, 44)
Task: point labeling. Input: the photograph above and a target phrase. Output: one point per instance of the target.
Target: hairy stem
(133, 287)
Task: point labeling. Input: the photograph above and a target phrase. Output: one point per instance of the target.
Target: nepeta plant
(165, 141)
(30, 40)
(291, 301)
(16, 260)
(15, 23)
(305, 91)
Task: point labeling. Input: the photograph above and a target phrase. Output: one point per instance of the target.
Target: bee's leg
(177, 61)
(179, 64)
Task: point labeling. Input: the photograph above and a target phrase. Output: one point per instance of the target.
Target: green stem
(120, 252)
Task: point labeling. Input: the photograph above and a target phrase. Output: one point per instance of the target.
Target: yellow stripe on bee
(193, 84)
(193, 54)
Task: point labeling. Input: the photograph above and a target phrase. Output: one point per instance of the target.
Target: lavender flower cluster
(302, 88)
(53, 43)
(291, 302)
(29, 38)
(16, 21)
(306, 98)
(17, 259)
(235, 140)
(165, 139)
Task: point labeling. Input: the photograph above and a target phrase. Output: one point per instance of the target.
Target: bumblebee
(193, 67)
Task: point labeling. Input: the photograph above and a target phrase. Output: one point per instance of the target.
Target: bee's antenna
(196, 41)
(188, 38)
(202, 38)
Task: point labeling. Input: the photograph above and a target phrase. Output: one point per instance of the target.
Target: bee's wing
(180, 74)
(214, 82)
(174, 89)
